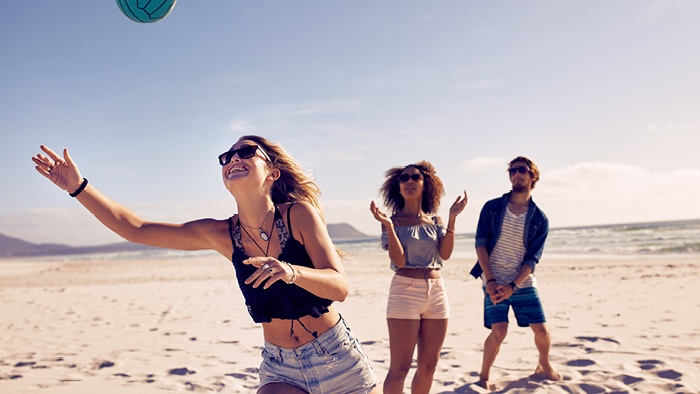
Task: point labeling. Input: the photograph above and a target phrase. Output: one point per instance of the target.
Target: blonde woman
(287, 267)
(418, 242)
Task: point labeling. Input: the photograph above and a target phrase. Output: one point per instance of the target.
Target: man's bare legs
(543, 342)
(491, 347)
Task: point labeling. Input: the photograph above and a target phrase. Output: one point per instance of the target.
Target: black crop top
(281, 300)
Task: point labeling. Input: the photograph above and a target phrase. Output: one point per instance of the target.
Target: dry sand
(619, 325)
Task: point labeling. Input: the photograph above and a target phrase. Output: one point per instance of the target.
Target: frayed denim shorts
(333, 363)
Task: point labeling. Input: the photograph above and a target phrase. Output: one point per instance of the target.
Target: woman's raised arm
(195, 235)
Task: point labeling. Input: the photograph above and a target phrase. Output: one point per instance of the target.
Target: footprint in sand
(580, 363)
(181, 371)
(670, 374)
(104, 364)
(649, 364)
(596, 339)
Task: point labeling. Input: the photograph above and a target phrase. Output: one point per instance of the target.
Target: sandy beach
(619, 325)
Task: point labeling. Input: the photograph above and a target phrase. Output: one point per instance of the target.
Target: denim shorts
(333, 363)
(416, 299)
(526, 306)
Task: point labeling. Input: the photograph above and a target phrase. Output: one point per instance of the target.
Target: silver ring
(265, 267)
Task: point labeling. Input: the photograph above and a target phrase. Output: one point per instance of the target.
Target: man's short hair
(534, 171)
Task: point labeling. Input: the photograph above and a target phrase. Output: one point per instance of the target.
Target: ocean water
(642, 239)
(672, 239)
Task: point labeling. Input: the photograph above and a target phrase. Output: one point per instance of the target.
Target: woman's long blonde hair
(294, 184)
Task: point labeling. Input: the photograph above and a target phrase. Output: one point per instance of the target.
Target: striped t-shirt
(508, 254)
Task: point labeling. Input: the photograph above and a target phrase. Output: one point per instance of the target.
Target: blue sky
(603, 96)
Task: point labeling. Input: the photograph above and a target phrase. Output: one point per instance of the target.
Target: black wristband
(491, 280)
(514, 286)
(80, 189)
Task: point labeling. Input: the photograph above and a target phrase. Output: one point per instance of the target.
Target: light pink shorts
(416, 299)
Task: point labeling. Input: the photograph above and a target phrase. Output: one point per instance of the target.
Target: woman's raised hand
(381, 216)
(62, 171)
(458, 206)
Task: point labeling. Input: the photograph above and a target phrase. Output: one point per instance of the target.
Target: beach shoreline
(618, 325)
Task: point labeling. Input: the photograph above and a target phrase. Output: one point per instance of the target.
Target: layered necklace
(263, 234)
(265, 237)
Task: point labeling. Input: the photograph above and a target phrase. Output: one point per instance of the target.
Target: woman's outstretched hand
(62, 171)
(459, 205)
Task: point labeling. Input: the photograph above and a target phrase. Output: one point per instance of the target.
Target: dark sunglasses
(244, 152)
(403, 178)
(515, 170)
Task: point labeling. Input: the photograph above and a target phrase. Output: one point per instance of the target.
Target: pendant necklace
(265, 238)
(263, 234)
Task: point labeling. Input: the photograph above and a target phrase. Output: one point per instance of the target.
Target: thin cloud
(599, 193)
(241, 126)
(480, 84)
(481, 164)
(330, 107)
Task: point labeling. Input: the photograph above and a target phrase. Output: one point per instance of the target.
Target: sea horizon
(668, 238)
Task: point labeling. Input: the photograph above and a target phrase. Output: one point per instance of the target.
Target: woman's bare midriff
(277, 332)
(419, 273)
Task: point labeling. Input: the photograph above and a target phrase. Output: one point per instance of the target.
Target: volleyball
(146, 11)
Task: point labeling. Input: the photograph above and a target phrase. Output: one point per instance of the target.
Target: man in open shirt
(509, 242)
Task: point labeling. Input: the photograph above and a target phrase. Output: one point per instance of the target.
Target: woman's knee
(427, 366)
(400, 368)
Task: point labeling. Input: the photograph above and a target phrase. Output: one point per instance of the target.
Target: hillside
(344, 231)
(15, 247)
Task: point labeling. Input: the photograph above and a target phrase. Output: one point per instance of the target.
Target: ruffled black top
(281, 300)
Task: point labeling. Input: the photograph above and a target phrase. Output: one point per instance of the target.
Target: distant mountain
(344, 231)
(15, 247)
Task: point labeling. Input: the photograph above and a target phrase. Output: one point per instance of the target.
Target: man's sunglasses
(403, 178)
(244, 152)
(515, 170)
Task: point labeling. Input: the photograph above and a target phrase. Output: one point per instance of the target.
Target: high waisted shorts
(416, 299)
(333, 363)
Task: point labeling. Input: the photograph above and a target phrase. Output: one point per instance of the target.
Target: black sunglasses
(403, 178)
(244, 152)
(522, 170)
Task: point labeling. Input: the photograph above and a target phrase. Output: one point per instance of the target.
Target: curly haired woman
(418, 243)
